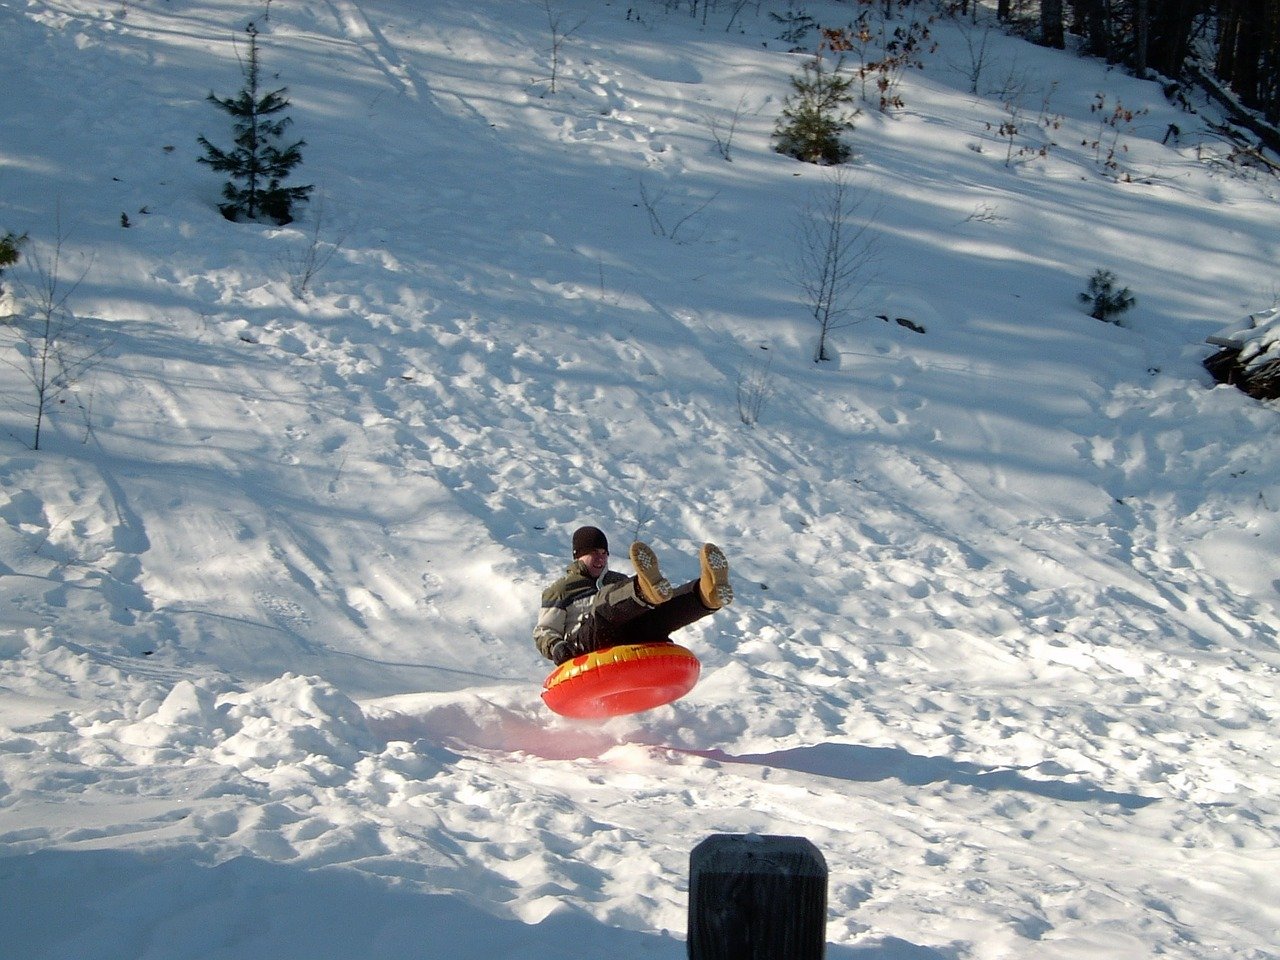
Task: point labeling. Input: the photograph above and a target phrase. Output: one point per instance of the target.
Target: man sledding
(610, 634)
(592, 607)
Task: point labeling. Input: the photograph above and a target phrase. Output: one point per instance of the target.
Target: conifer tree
(257, 164)
(10, 249)
(815, 115)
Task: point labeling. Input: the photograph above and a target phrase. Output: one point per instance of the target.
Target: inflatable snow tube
(619, 680)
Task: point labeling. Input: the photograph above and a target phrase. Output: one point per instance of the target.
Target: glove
(562, 650)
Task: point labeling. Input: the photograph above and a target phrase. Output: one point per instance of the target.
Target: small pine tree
(10, 245)
(10, 249)
(815, 115)
(796, 24)
(256, 163)
(1108, 302)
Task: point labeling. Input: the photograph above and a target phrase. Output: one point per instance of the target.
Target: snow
(1005, 640)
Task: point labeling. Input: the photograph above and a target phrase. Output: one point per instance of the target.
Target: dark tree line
(1241, 36)
(1249, 52)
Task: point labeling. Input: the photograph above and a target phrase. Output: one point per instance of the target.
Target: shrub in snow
(10, 246)
(1250, 356)
(755, 388)
(815, 115)
(1107, 301)
(52, 346)
(10, 250)
(834, 253)
(257, 165)
(796, 25)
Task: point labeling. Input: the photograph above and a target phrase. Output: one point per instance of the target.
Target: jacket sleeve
(552, 619)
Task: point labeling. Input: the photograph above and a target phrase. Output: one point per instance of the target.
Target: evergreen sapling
(257, 165)
(10, 250)
(1107, 302)
(815, 115)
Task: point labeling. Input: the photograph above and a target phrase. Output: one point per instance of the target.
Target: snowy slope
(1005, 643)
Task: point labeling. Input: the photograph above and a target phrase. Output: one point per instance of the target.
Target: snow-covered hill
(1005, 643)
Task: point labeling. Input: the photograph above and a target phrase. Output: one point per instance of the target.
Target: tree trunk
(1170, 27)
(1228, 30)
(1089, 20)
(1264, 131)
(1248, 56)
(1051, 34)
(1141, 36)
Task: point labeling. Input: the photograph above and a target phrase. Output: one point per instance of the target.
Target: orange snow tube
(621, 680)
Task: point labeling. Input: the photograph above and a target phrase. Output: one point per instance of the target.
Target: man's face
(596, 562)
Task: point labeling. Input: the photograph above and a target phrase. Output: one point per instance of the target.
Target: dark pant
(620, 617)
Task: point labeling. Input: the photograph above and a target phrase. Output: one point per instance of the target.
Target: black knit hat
(586, 539)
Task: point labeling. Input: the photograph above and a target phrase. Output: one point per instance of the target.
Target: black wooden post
(757, 898)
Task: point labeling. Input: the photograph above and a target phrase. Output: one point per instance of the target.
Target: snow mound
(293, 721)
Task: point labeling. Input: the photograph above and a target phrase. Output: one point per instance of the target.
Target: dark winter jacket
(569, 601)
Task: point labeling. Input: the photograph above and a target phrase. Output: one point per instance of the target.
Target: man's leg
(656, 624)
(624, 613)
(613, 608)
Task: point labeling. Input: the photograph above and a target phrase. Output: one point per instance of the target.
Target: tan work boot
(652, 586)
(713, 586)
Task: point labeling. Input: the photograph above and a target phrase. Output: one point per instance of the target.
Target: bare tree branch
(834, 254)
